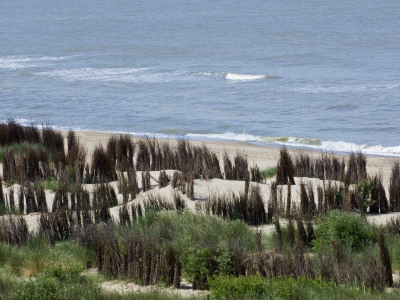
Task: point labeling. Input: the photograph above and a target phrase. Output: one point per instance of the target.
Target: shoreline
(336, 147)
(263, 156)
(230, 141)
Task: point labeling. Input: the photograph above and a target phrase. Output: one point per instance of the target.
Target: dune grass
(268, 173)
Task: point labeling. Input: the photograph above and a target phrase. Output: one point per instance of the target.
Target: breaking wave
(308, 143)
(126, 75)
(247, 77)
(290, 141)
(21, 62)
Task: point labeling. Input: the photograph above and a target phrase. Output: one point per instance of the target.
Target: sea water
(316, 74)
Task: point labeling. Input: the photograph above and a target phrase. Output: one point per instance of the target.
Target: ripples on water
(320, 75)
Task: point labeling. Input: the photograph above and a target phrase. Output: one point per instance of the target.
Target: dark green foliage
(152, 250)
(268, 173)
(347, 228)
(363, 190)
(57, 283)
(257, 287)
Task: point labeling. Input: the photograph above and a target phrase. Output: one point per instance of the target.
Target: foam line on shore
(289, 141)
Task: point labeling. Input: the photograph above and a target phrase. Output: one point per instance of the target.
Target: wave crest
(246, 77)
(308, 143)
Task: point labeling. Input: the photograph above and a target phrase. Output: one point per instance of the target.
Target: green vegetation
(364, 188)
(349, 229)
(23, 148)
(50, 184)
(58, 283)
(210, 251)
(256, 287)
(33, 258)
(205, 245)
(78, 245)
(268, 173)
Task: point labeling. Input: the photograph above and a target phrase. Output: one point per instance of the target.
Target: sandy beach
(264, 157)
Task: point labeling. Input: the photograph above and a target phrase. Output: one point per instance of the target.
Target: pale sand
(264, 157)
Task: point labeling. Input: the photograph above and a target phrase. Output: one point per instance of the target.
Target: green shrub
(256, 287)
(156, 294)
(38, 254)
(268, 173)
(364, 188)
(58, 283)
(347, 228)
(8, 285)
(205, 245)
(50, 184)
(230, 287)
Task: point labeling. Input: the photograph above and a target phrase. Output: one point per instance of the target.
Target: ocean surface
(314, 74)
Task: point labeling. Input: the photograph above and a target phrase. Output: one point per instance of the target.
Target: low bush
(50, 184)
(256, 287)
(346, 228)
(268, 173)
(58, 283)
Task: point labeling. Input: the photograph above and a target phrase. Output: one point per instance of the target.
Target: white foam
(20, 62)
(126, 75)
(240, 137)
(244, 77)
(308, 143)
(357, 88)
(15, 62)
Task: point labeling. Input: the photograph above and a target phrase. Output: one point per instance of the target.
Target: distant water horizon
(320, 76)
